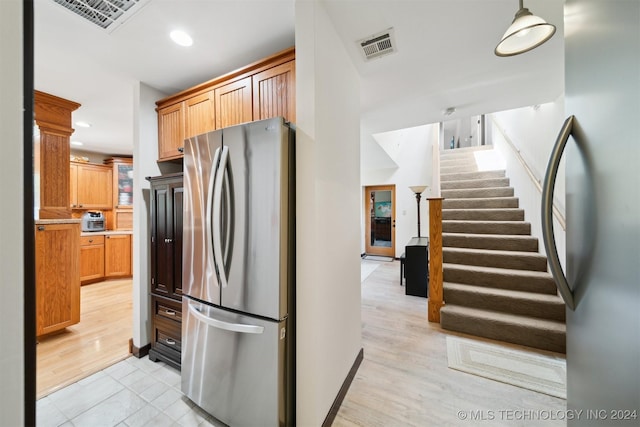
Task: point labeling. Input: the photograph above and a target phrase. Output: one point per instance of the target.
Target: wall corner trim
(335, 407)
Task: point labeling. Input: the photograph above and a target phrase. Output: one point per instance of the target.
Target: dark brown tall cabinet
(166, 268)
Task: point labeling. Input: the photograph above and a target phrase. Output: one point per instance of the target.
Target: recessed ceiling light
(83, 124)
(181, 38)
(76, 143)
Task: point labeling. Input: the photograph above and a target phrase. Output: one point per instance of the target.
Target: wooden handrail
(435, 301)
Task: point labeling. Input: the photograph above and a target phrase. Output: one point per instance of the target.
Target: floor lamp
(418, 189)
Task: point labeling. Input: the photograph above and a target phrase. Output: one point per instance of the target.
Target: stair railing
(548, 236)
(536, 181)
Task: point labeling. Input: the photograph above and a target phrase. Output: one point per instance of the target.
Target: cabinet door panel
(117, 255)
(177, 192)
(91, 262)
(274, 93)
(161, 256)
(170, 131)
(95, 187)
(199, 115)
(57, 276)
(233, 103)
(73, 186)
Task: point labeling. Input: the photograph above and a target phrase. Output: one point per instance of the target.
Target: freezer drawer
(234, 366)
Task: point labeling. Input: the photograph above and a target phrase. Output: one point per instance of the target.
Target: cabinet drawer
(165, 310)
(168, 309)
(169, 341)
(167, 334)
(92, 240)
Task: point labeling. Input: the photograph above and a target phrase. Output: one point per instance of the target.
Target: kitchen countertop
(105, 233)
(57, 221)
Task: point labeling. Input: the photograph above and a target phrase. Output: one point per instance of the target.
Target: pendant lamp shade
(418, 189)
(527, 31)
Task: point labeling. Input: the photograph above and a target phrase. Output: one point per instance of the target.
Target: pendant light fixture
(527, 31)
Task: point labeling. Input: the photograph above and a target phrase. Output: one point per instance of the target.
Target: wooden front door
(380, 220)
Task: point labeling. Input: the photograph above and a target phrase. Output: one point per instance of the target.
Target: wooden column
(52, 152)
(435, 259)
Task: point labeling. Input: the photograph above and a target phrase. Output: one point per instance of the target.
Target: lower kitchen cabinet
(166, 268)
(117, 255)
(166, 331)
(105, 256)
(57, 258)
(91, 258)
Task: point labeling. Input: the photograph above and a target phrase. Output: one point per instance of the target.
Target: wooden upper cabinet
(261, 90)
(170, 132)
(51, 153)
(274, 92)
(233, 103)
(199, 114)
(93, 186)
(73, 185)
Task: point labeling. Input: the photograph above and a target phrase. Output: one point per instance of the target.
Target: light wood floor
(99, 340)
(404, 379)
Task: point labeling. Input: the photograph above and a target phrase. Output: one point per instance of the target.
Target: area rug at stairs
(537, 372)
(378, 258)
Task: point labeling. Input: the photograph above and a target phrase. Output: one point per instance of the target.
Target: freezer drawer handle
(233, 327)
(548, 236)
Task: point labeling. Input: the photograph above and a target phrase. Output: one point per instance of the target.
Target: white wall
(327, 210)
(145, 153)
(533, 131)
(413, 155)
(11, 217)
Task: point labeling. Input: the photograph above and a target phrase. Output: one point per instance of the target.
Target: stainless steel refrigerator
(602, 92)
(238, 273)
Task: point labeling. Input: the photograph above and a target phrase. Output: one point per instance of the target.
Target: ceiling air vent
(377, 45)
(103, 13)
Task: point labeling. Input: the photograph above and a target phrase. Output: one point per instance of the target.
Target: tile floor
(134, 392)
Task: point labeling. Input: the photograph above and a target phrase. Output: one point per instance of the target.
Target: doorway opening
(380, 220)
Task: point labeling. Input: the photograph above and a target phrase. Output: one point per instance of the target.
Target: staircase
(496, 284)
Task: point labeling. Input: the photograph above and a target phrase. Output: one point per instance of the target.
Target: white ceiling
(444, 57)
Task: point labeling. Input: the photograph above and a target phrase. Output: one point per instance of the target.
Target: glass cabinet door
(125, 185)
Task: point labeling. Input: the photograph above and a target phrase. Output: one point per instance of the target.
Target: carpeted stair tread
(478, 192)
(474, 183)
(543, 306)
(458, 168)
(501, 278)
(486, 227)
(464, 150)
(497, 214)
(480, 203)
(534, 332)
(491, 241)
(466, 176)
(471, 162)
(495, 258)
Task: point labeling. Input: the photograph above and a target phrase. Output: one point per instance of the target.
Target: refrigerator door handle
(548, 236)
(208, 221)
(219, 324)
(216, 218)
